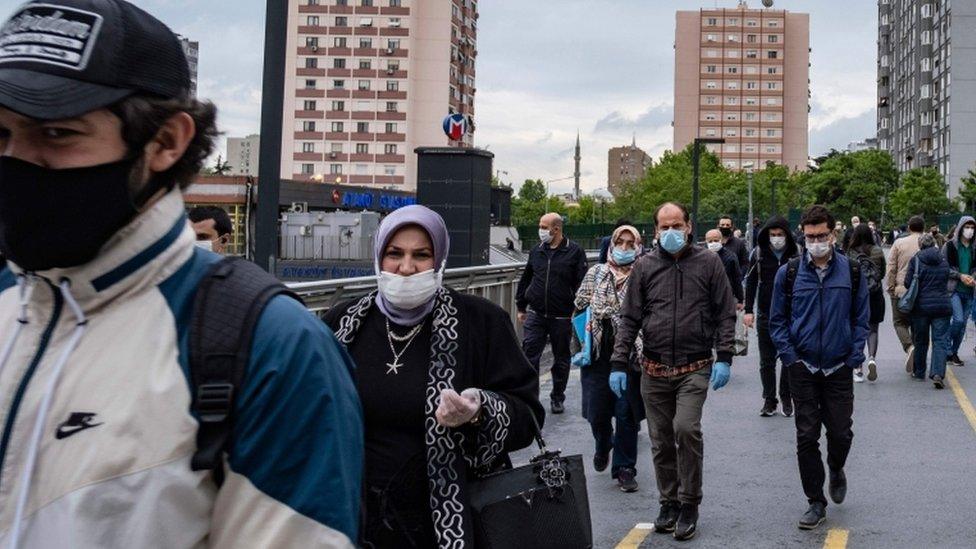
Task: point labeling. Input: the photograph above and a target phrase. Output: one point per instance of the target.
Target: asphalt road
(911, 472)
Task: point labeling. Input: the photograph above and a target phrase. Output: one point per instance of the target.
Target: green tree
(967, 192)
(854, 183)
(532, 190)
(922, 192)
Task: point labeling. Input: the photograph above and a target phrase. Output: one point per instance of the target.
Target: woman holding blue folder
(602, 292)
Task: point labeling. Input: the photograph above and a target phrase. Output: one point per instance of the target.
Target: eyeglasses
(822, 237)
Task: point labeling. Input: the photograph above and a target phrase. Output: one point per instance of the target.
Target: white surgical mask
(967, 233)
(777, 242)
(714, 246)
(205, 244)
(819, 250)
(545, 236)
(409, 292)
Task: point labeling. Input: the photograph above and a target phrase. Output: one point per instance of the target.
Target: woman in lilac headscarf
(445, 387)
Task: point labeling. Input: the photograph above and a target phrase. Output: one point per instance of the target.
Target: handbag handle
(537, 434)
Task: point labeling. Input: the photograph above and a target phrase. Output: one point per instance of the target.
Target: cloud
(841, 132)
(652, 118)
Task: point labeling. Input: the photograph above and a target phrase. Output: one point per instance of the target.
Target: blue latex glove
(720, 375)
(618, 383)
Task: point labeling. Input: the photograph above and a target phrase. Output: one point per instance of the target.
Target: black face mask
(726, 232)
(61, 218)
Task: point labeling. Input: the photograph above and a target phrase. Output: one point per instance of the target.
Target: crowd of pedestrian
(159, 394)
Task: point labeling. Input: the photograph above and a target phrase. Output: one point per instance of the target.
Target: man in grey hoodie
(959, 253)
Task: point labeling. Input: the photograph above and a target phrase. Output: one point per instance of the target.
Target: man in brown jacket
(680, 302)
(902, 252)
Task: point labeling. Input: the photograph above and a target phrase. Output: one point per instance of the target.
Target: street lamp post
(773, 209)
(555, 181)
(748, 166)
(695, 161)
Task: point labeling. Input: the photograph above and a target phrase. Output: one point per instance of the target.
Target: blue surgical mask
(673, 240)
(624, 257)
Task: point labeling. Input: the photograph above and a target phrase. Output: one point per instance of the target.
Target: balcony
(391, 95)
(309, 114)
(308, 157)
(309, 92)
(391, 137)
(316, 136)
(394, 31)
(399, 10)
(366, 31)
(310, 72)
(339, 52)
(391, 116)
(390, 158)
(367, 10)
(339, 93)
(362, 137)
(337, 115)
(336, 136)
(363, 94)
(364, 115)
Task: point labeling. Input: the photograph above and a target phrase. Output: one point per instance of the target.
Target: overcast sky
(548, 68)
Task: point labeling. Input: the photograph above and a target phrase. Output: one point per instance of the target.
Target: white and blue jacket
(97, 432)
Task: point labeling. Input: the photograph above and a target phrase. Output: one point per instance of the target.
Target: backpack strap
(792, 268)
(228, 303)
(855, 266)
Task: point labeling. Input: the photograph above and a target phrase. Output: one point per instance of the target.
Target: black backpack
(793, 266)
(870, 270)
(228, 303)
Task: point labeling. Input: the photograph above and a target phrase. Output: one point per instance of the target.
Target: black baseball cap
(64, 58)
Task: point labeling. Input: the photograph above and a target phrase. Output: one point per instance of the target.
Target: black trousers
(822, 402)
(767, 364)
(558, 331)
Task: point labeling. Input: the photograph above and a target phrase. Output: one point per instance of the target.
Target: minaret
(576, 174)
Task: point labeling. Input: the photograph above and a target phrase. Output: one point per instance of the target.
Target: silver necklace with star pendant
(394, 367)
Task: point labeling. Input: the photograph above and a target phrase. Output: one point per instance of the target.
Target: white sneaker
(872, 370)
(910, 360)
(858, 376)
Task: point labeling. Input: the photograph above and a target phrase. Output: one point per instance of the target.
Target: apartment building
(368, 81)
(625, 165)
(743, 75)
(243, 154)
(927, 85)
(192, 51)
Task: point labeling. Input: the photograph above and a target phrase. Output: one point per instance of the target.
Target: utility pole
(695, 176)
(576, 174)
(749, 223)
(773, 209)
(272, 106)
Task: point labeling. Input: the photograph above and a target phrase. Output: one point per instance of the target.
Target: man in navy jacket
(821, 333)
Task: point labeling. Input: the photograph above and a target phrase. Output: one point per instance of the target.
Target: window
(732, 85)
(770, 133)
(390, 148)
(310, 84)
(772, 101)
(362, 148)
(752, 101)
(342, 22)
(311, 42)
(732, 70)
(731, 132)
(339, 41)
(337, 127)
(362, 127)
(395, 65)
(711, 69)
(342, 2)
(710, 116)
(733, 21)
(711, 53)
(362, 169)
(309, 106)
(364, 85)
(752, 85)
(772, 70)
(338, 105)
(335, 169)
(395, 3)
(393, 44)
(308, 147)
(395, 22)
(733, 53)
(772, 54)
(391, 106)
(773, 23)
(731, 117)
(367, 3)
(711, 85)
(364, 106)
(752, 38)
(366, 22)
(392, 85)
(389, 170)
(338, 63)
(311, 2)
(391, 127)
(712, 21)
(308, 169)
(752, 23)
(710, 37)
(750, 116)
(731, 100)
(308, 125)
(750, 133)
(312, 21)
(773, 39)
(710, 100)
(337, 147)
(926, 91)
(311, 63)
(710, 132)
(733, 38)
(366, 43)
(339, 84)
(771, 85)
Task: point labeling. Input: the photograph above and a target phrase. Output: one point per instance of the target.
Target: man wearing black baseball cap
(100, 422)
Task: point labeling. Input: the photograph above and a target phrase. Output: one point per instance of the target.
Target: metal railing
(496, 283)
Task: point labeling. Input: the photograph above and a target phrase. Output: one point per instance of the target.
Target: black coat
(739, 248)
(763, 265)
(551, 278)
(473, 345)
(933, 283)
(733, 271)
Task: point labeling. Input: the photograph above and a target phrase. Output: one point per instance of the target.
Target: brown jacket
(683, 308)
(902, 252)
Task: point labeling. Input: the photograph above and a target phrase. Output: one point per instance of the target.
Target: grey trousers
(903, 324)
(674, 410)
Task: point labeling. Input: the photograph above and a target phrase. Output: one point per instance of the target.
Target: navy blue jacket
(933, 283)
(551, 278)
(820, 331)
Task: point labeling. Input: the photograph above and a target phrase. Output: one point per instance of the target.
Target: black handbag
(541, 505)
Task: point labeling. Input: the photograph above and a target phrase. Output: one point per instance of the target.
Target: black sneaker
(557, 407)
(815, 516)
(687, 522)
(955, 361)
(838, 486)
(668, 517)
(768, 409)
(600, 462)
(787, 408)
(626, 480)
(937, 381)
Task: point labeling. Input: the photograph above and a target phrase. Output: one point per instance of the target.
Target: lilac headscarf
(433, 224)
